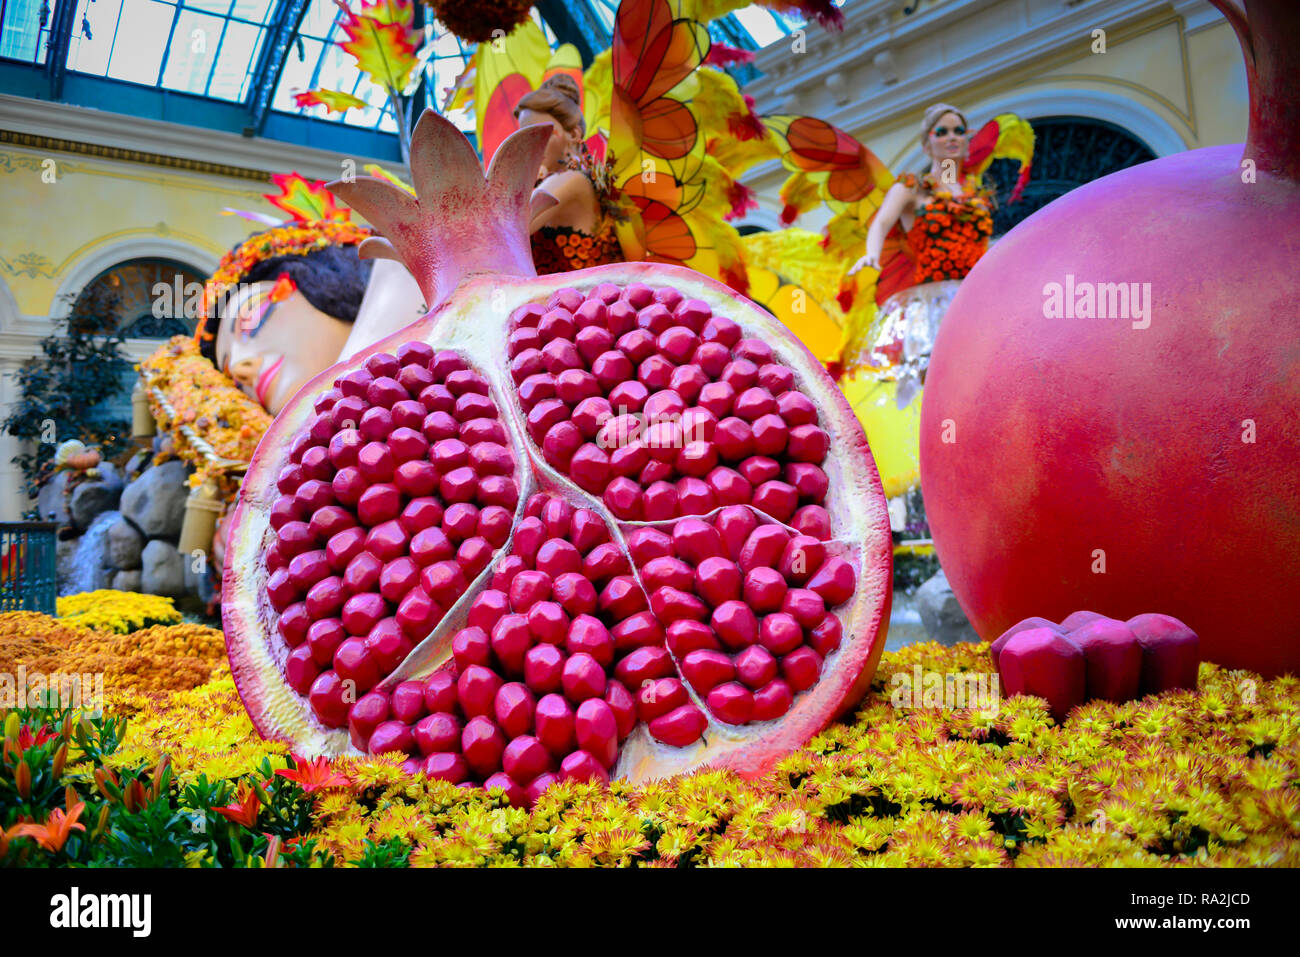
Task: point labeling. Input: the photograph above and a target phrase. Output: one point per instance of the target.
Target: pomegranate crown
(459, 222)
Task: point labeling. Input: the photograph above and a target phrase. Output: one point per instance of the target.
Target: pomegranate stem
(1267, 30)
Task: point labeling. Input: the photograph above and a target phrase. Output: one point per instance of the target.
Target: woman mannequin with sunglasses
(941, 222)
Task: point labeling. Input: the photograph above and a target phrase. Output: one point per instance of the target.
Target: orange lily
(58, 827)
(244, 811)
(315, 775)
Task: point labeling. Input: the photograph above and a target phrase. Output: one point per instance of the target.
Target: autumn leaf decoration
(382, 39)
(305, 200)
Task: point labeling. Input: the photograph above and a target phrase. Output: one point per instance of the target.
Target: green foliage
(63, 391)
(141, 816)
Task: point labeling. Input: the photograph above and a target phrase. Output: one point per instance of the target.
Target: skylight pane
(21, 35)
(194, 50)
(237, 57)
(140, 41)
(89, 54)
(256, 11)
(296, 77)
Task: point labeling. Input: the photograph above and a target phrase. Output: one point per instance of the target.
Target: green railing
(27, 567)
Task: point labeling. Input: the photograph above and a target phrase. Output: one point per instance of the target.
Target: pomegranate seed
(446, 766)
(325, 597)
(583, 678)
(623, 496)
(587, 635)
(765, 589)
(353, 662)
(575, 594)
(293, 624)
(323, 639)
(417, 614)
(679, 727)
(825, 636)
(554, 722)
(694, 540)
(644, 664)
(476, 690)
(597, 731)
(801, 668)
(582, 766)
(379, 503)
(621, 704)
(813, 520)
(326, 695)
(731, 702)
(755, 666)
(366, 715)
(525, 758)
(440, 692)
(685, 636)
(659, 697)
(471, 646)
(704, 669)
(362, 612)
(735, 624)
(482, 743)
(543, 668)
(834, 581)
(777, 499)
(392, 736)
(511, 640)
(513, 707)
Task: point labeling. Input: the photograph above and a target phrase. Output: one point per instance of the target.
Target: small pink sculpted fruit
(1044, 663)
(479, 590)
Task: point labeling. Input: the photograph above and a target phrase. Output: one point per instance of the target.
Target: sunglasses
(942, 131)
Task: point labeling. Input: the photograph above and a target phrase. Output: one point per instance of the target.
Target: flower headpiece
(317, 223)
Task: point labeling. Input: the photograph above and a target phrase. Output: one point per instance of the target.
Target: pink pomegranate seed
(362, 612)
(325, 598)
(704, 669)
(765, 589)
(513, 707)
(554, 719)
(582, 766)
(476, 690)
(354, 662)
(446, 766)
(596, 730)
(780, 633)
(731, 702)
(679, 727)
(659, 697)
(575, 594)
(735, 624)
(809, 480)
(440, 692)
(801, 668)
(293, 624)
(589, 636)
(834, 581)
(379, 503)
(543, 668)
(755, 666)
(813, 520)
(323, 639)
(301, 670)
(482, 744)
(418, 613)
(392, 736)
(366, 715)
(763, 547)
(824, 637)
(326, 696)
(583, 678)
(511, 640)
(644, 664)
(685, 636)
(471, 646)
(525, 757)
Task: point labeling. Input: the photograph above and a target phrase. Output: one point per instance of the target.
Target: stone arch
(100, 259)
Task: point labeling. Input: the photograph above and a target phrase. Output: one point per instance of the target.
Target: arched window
(135, 291)
(1069, 151)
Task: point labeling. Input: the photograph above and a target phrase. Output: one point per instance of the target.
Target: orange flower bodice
(563, 248)
(950, 233)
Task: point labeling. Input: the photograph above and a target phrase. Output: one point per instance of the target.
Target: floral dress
(950, 234)
(563, 248)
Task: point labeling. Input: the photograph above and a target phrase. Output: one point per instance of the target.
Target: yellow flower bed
(119, 612)
(1182, 778)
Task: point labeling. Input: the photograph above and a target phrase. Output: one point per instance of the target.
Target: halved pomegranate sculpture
(617, 522)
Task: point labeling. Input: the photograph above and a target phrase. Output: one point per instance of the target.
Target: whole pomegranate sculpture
(1110, 418)
(616, 522)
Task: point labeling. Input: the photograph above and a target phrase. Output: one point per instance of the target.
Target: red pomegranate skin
(1071, 463)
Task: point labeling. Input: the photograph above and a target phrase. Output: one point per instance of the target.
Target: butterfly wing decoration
(508, 69)
(678, 195)
(1006, 136)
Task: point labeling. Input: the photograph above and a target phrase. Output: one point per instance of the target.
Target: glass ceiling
(212, 48)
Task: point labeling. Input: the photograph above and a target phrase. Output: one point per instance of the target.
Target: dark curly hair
(332, 279)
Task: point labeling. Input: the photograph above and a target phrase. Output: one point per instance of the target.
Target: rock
(124, 545)
(50, 501)
(89, 499)
(64, 551)
(155, 501)
(127, 581)
(163, 571)
(942, 617)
